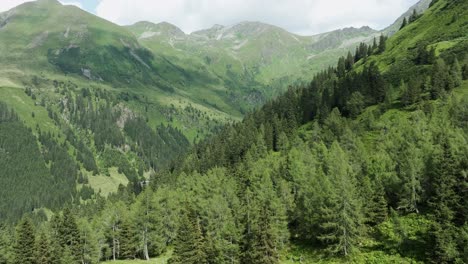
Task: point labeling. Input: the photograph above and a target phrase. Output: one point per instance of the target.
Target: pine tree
(265, 239)
(411, 166)
(25, 242)
(70, 234)
(379, 206)
(43, 249)
(6, 254)
(128, 240)
(456, 73)
(444, 203)
(341, 68)
(413, 16)
(349, 62)
(147, 216)
(382, 43)
(404, 23)
(67, 256)
(189, 244)
(439, 79)
(342, 215)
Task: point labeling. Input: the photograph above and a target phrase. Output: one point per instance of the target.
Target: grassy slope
(436, 27)
(250, 57)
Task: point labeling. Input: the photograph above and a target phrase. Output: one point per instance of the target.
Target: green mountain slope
(420, 8)
(111, 105)
(367, 163)
(251, 55)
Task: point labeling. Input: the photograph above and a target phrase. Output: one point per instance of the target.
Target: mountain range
(126, 144)
(82, 85)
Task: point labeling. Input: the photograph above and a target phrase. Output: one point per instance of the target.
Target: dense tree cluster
(357, 161)
(20, 155)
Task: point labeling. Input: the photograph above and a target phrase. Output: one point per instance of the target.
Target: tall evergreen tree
(6, 250)
(43, 249)
(444, 203)
(404, 23)
(189, 244)
(342, 215)
(128, 240)
(411, 166)
(382, 43)
(456, 73)
(25, 242)
(70, 234)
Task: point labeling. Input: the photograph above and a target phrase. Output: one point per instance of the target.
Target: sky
(303, 17)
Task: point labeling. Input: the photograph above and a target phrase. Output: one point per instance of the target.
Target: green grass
(17, 99)
(107, 184)
(159, 260)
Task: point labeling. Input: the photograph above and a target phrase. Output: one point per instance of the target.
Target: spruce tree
(342, 217)
(382, 43)
(456, 73)
(189, 245)
(265, 248)
(349, 62)
(43, 249)
(404, 23)
(411, 166)
(465, 71)
(128, 240)
(444, 203)
(413, 16)
(6, 250)
(70, 234)
(25, 242)
(439, 79)
(379, 205)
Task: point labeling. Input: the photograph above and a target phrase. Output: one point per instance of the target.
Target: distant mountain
(75, 81)
(420, 8)
(252, 54)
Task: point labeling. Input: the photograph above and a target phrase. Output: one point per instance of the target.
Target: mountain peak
(48, 2)
(146, 29)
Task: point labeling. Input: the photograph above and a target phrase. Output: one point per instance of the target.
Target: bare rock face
(39, 40)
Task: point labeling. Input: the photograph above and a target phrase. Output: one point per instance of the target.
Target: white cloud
(299, 16)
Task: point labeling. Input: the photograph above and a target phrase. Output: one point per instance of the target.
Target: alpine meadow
(142, 142)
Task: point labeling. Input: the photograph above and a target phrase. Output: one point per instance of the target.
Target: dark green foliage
(189, 244)
(425, 56)
(69, 236)
(19, 158)
(128, 240)
(446, 202)
(441, 79)
(404, 23)
(25, 242)
(465, 72)
(342, 221)
(6, 242)
(43, 250)
(382, 43)
(157, 147)
(322, 165)
(414, 16)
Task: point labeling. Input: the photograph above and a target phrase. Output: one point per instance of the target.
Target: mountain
(111, 105)
(252, 60)
(420, 8)
(366, 163)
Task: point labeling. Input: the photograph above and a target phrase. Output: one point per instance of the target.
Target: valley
(233, 144)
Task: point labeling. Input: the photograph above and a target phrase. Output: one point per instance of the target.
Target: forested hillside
(99, 105)
(367, 163)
